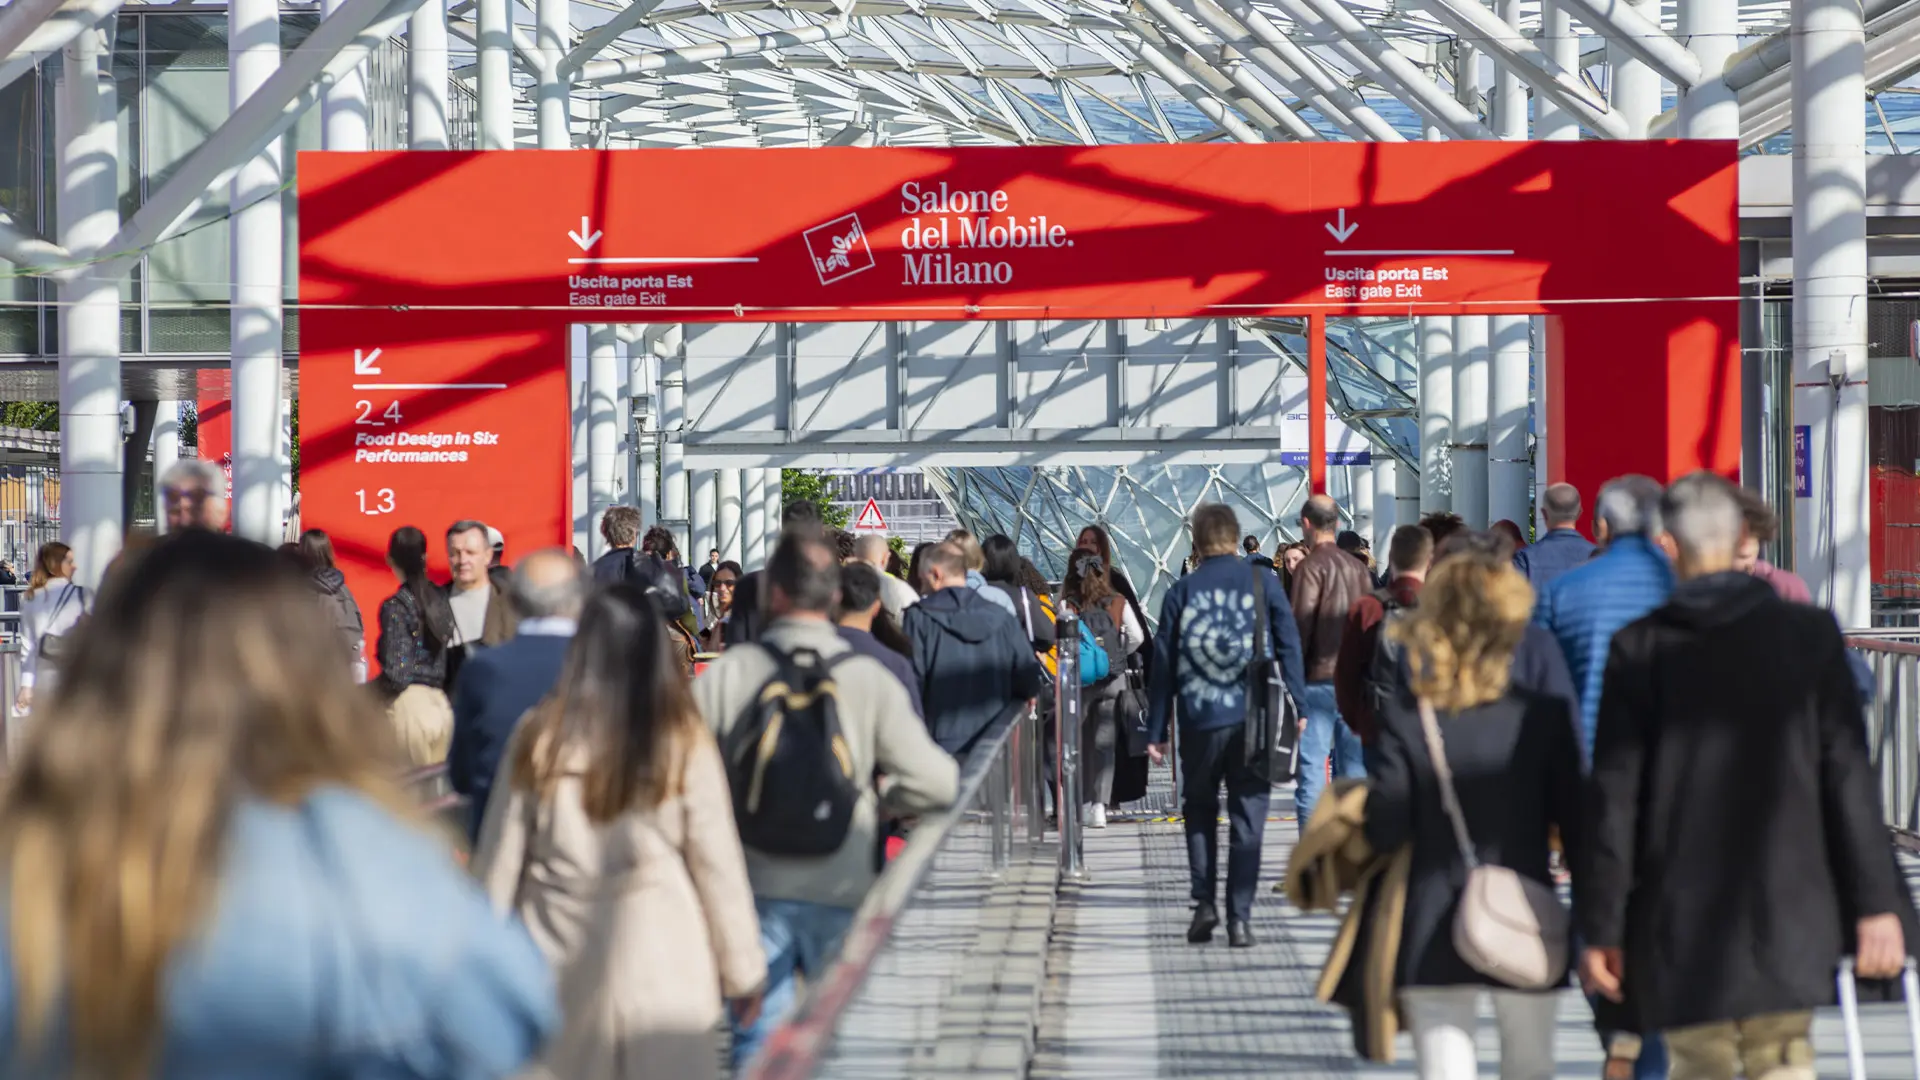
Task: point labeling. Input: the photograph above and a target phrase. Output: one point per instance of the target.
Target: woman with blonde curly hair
(1515, 766)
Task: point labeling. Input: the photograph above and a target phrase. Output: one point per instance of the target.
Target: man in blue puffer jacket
(1583, 608)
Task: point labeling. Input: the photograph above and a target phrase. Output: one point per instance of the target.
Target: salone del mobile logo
(940, 219)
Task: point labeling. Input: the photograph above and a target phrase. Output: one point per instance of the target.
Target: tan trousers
(423, 724)
(1772, 1047)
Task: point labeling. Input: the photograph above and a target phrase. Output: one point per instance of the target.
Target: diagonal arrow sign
(366, 364)
(587, 236)
(1344, 230)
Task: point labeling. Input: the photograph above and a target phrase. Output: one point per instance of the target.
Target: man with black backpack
(805, 723)
(1219, 624)
(1366, 672)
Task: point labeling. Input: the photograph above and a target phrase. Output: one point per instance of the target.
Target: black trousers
(1209, 759)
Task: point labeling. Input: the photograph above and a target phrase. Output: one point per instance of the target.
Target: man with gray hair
(500, 684)
(896, 596)
(1736, 848)
(193, 495)
(1583, 608)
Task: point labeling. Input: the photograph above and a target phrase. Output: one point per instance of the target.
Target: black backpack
(794, 788)
(1099, 622)
(1383, 671)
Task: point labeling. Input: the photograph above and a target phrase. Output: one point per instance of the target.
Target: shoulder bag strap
(1259, 615)
(1449, 798)
(1026, 613)
(60, 605)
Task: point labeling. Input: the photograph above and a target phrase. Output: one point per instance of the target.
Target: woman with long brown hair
(416, 628)
(611, 833)
(206, 853)
(1089, 590)
(1510, 758)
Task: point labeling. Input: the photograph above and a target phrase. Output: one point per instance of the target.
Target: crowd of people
(699, 770)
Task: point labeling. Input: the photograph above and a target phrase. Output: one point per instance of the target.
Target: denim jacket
(341, 943)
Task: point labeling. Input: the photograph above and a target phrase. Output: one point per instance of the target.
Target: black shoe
(1205, 918)
(1239, 934)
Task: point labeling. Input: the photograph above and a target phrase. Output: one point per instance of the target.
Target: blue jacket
(496, 688)
(1205, 641)
(1557, 552)
(1587, 605)
(341, 943)
(972, 660)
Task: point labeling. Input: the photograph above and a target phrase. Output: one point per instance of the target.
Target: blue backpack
(1100, 654)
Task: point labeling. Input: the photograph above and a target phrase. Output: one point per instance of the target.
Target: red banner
(423, 419)
(1108, 231)
(213, 421)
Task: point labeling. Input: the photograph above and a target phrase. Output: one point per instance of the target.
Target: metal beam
(1474, 22)
(24, 249)
(338, 44)
(41, 34)
(696, 57)
(1260, 103)
(1766, 106)
(1170, 70)
(597, 40)
(1329, 20)
(1278, 56)
(1640, 37)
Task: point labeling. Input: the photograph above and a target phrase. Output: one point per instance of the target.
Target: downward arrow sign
(1344, 230)
(587, 236)
(366, 364)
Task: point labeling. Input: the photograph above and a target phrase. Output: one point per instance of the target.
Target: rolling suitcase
(1850, 1016)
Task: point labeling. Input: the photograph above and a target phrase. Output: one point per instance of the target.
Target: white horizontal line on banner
(662, 259)
(429, 386)
(1422, 251)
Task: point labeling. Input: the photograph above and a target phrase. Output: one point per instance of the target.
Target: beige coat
(647, 920)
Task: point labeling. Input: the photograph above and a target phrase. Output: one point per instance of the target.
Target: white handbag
(1508, 926)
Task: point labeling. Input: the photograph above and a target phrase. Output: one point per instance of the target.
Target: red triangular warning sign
(869, 519)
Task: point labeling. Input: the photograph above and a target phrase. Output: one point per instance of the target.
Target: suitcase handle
(1850, 1015)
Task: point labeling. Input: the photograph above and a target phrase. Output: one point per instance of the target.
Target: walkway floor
(1127, 997)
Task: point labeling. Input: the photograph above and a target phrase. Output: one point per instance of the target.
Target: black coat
(495, 690)
(972, 660)
(1516, 767)
(1736, 830)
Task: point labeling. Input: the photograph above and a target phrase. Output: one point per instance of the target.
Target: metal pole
(1470, 400)
(670, 352)
(166, 451)
(258, 226)
(1317, 404)
(774, 507)
(1066, 801)
(646, 425)
(344, 120)
(1436, 414)
(1510, 370)
(1389, 509)
(550, 39)
(705, 494)
(495, 91)
(753, 518)
(1829, 301)
(1033, 781)
(427, 77)
(603, 429)
(727, 527)
(1636, 86)
(90, 463)
(1550, 122)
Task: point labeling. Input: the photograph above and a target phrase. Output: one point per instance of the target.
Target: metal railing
(879, 1007)
(1893, 727)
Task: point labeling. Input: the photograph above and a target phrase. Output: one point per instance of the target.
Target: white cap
(494, 538)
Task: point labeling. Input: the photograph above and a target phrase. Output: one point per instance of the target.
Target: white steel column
(495, 90)
(89, 215)
(775, 507)
(1387, 511)
(753, 519)
(1510, 367)
(706, 511)
(727, 530)
(345, 121)
(1436, 414)
(1636, 86)
(671, 360)
(166, 451)
(603, 430)
(1360, 502)
(1556, 39)
(550, 93)
(1470, 400)
(646, 425)
(1831, 542)
(1711, 29)
(253, 50)
(427, 77)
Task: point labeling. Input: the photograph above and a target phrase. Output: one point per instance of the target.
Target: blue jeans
(800, 939)
(1326, 734)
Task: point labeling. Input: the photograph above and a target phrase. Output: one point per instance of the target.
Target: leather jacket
(1325, 587)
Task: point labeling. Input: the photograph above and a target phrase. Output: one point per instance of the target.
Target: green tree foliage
(805, 485)
(37, 415)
